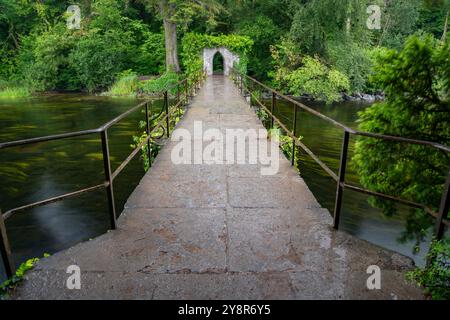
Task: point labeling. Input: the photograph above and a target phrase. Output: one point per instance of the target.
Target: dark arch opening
(218, 63)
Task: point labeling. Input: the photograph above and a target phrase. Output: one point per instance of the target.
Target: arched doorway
(218, 63)
(211, 59)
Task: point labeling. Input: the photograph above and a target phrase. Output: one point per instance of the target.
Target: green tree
(180, 12)
(416, 82)
(263, 31)
(398, 21)
(433, 17)
(263, 21)
(317, 22)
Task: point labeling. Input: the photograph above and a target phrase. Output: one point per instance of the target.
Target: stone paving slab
(210, 231)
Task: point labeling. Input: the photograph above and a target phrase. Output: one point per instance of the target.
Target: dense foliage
(39, 53)
(435, 277)
(50, 56)
(417, 106)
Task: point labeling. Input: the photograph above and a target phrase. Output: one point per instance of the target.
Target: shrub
(150, 57)
(435, 277)
(318, 80)
(43, 59)
(98, 58)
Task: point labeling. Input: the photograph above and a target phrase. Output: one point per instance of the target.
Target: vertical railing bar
(186, 91)
(443, 209)
(166, 105)
(242, 84)
(272, 108)
(295, 135)
(5, 249)
(149, 146)
(178, 101)
(341, 180)
(108, 177)
(251, 90)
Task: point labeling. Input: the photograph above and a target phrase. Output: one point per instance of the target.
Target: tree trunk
(170, 35)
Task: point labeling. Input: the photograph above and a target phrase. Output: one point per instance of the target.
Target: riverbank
(363, 97)
(356, 97)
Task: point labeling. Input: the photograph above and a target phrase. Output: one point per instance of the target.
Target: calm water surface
(40, 171)
(36, 172)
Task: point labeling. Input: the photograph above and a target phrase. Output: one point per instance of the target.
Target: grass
(14, 93)
(126, 85)
(160, 84)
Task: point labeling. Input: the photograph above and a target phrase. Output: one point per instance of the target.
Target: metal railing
(184, 90)
(441, 216)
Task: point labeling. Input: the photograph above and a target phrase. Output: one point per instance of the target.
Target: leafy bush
(149, 58)
(126, 85)
(435, 277)
(43, 61)
(98, 58)
(286, 57)
(416, 106)
(318, 80)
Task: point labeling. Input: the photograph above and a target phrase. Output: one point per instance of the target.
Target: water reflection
(39, 171)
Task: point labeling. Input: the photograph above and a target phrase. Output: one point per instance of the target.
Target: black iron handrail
(184, 90)
(441, 215)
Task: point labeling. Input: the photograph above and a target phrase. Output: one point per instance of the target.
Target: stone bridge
(221, 231)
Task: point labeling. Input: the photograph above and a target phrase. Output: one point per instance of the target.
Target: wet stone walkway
(211, 231)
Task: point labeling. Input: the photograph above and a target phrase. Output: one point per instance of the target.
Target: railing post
(272, 108)
(295, 135)
(109, 180)
(5, 249)
(178, 100)
(242, 84)
(186, 89)
(149, 147)
(341, 180)
(443, 209)
(250, 94)
(166, 105)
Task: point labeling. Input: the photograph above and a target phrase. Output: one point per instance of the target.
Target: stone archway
(229, 58)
